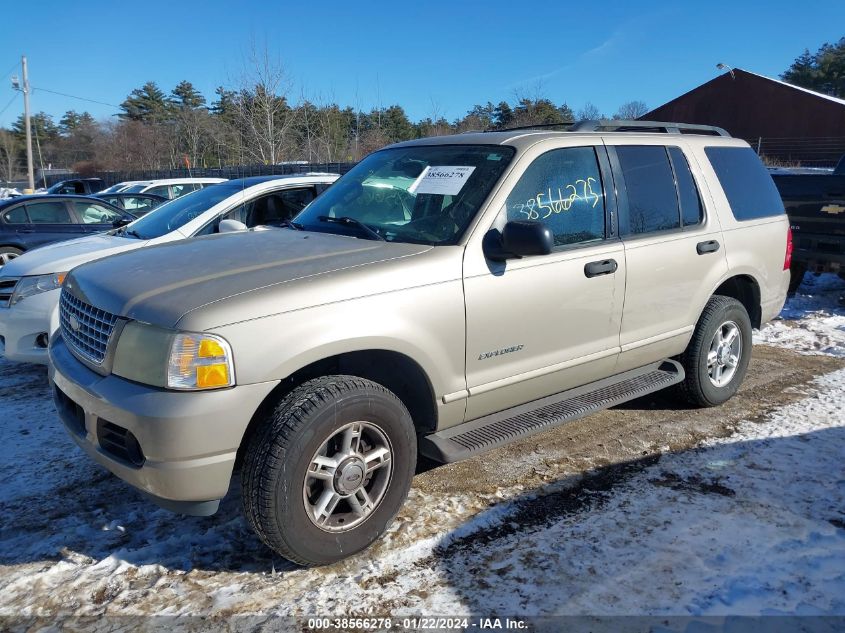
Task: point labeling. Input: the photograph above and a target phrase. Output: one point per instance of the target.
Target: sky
(431, 57)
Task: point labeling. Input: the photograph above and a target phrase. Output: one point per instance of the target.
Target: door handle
(603, 267)
(710, 246)
(26, 230)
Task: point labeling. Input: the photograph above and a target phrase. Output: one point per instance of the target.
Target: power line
(63, 94)
(9, 72)
(6, 107)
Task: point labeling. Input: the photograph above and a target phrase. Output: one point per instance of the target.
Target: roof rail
(565, 124)
(660, 127)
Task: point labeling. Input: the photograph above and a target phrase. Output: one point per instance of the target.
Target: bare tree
(264, 116)
(589, 112)
(9, 148)
(631, 110)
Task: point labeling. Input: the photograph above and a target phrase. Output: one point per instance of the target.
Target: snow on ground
(813, 320)
(750, 524)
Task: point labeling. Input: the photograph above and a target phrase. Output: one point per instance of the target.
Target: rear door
(52, 221)
(674, 250)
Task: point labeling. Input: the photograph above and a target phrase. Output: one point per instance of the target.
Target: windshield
(424, 194)
(114, 188)
(135, 189)
(176, 213)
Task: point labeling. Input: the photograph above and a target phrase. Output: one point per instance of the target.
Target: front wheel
(718, 354)
(329, 469)
(8, 253)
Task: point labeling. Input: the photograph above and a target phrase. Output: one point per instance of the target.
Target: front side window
(138, 203)
(48, 213)
(278, 207)
(160, 190)
(563, 190)
(91, 213)
(650, 183)
(749, 188)
(423, 194)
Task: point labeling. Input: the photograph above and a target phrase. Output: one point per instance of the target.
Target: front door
(540, 325)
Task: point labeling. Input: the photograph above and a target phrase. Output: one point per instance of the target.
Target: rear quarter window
(747, 185)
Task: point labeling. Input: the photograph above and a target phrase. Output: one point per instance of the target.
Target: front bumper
(189, 440)
(23, 323)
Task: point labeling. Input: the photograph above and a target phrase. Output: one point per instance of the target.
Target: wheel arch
(745, 289)
(396, 371)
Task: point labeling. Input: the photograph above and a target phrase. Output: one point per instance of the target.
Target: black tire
(796, 275)
(697, 387)
(7, 253)
(278, 457)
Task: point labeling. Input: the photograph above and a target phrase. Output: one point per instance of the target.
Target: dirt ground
(648, 426)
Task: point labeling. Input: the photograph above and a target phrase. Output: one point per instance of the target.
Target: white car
(172, 187)
(29, 284)
(117, 188)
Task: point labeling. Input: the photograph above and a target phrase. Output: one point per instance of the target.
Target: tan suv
(447, 295)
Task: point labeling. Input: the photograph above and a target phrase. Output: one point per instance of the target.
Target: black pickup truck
(78, 186)
(815, 202)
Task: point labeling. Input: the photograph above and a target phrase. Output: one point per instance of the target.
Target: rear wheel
(8, 253)
(717, 357)
(329, 469)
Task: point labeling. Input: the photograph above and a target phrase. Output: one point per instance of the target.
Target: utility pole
(29, 169)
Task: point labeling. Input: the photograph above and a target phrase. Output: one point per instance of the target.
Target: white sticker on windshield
(444, 180)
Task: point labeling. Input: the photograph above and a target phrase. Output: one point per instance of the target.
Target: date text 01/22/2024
(417, 624)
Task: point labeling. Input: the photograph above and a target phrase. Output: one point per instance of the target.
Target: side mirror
(122, 222)
(231, 226)
(519, 238)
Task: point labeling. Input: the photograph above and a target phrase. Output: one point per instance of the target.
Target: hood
(63, 256)
(160, 284)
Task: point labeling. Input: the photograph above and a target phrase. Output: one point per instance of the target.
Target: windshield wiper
(133, 233)
(347, 221)
(296, 226)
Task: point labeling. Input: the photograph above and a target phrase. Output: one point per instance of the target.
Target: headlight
(199, 361)
(29, 286)
(175, 360)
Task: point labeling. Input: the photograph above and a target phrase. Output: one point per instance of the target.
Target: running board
(497, 429)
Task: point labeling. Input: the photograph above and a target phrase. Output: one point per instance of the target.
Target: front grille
(85, 328)
(7, 289)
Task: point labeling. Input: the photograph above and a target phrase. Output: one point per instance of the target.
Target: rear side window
(48, 213)
(563, 189)
(650, 183)
(16, 216)
(748, 186)
(691, 210)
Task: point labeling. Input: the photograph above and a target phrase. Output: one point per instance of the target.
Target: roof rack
(660, 127)
(624, 125)
(566, 124)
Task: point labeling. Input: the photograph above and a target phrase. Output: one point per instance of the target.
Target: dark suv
(30, 221)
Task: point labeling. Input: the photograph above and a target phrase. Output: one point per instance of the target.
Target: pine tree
(146, 104)
(185, 97)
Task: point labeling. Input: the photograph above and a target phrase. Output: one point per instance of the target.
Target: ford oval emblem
(74, 323)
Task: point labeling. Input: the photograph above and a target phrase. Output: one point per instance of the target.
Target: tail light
(787, 259)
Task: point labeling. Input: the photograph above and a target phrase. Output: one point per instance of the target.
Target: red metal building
(785, 123)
